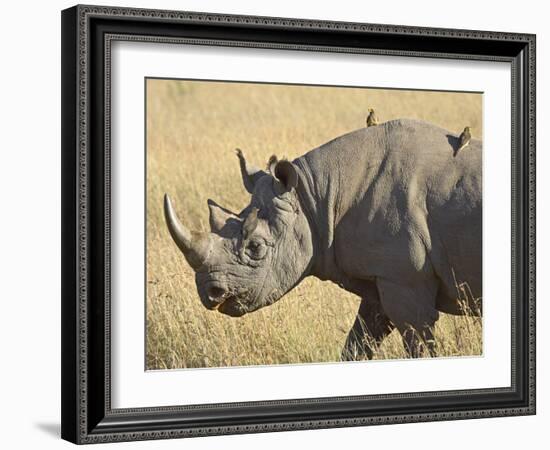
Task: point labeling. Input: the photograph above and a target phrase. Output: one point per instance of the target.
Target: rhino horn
(249, 173)
(194, 245)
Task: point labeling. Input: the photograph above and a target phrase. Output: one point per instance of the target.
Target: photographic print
(292, 224)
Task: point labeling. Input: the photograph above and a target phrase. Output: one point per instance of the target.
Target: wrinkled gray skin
(386, 212)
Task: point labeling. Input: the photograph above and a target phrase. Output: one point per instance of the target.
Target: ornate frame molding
(84, 421)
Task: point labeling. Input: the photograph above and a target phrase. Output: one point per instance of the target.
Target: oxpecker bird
(463, 139)
(372, 120)
(250, 224)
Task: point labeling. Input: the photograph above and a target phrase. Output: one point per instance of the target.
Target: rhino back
(393, 200)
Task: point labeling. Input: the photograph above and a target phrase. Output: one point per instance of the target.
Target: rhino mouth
(232, 306)
(230, 302)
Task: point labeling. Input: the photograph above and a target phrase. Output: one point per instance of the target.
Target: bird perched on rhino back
(372, 120)
(463, 140)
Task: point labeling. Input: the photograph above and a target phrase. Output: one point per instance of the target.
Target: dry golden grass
(192, 130)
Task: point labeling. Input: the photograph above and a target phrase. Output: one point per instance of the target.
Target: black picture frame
(87, 32)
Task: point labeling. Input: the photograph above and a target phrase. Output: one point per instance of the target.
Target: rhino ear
(218, 216)
(286, 173)
(249, 173)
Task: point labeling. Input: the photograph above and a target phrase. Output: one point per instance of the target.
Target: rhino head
(251, 259)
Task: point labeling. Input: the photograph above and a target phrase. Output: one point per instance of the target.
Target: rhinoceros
(389, 213)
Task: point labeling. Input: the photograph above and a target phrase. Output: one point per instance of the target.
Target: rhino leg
(412, 309)
(370, 328)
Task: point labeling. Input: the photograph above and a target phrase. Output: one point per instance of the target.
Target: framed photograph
(279, 224)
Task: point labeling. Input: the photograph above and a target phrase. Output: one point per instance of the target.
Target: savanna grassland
(192, 131)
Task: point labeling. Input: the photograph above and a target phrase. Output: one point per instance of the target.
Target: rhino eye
(256, 249)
